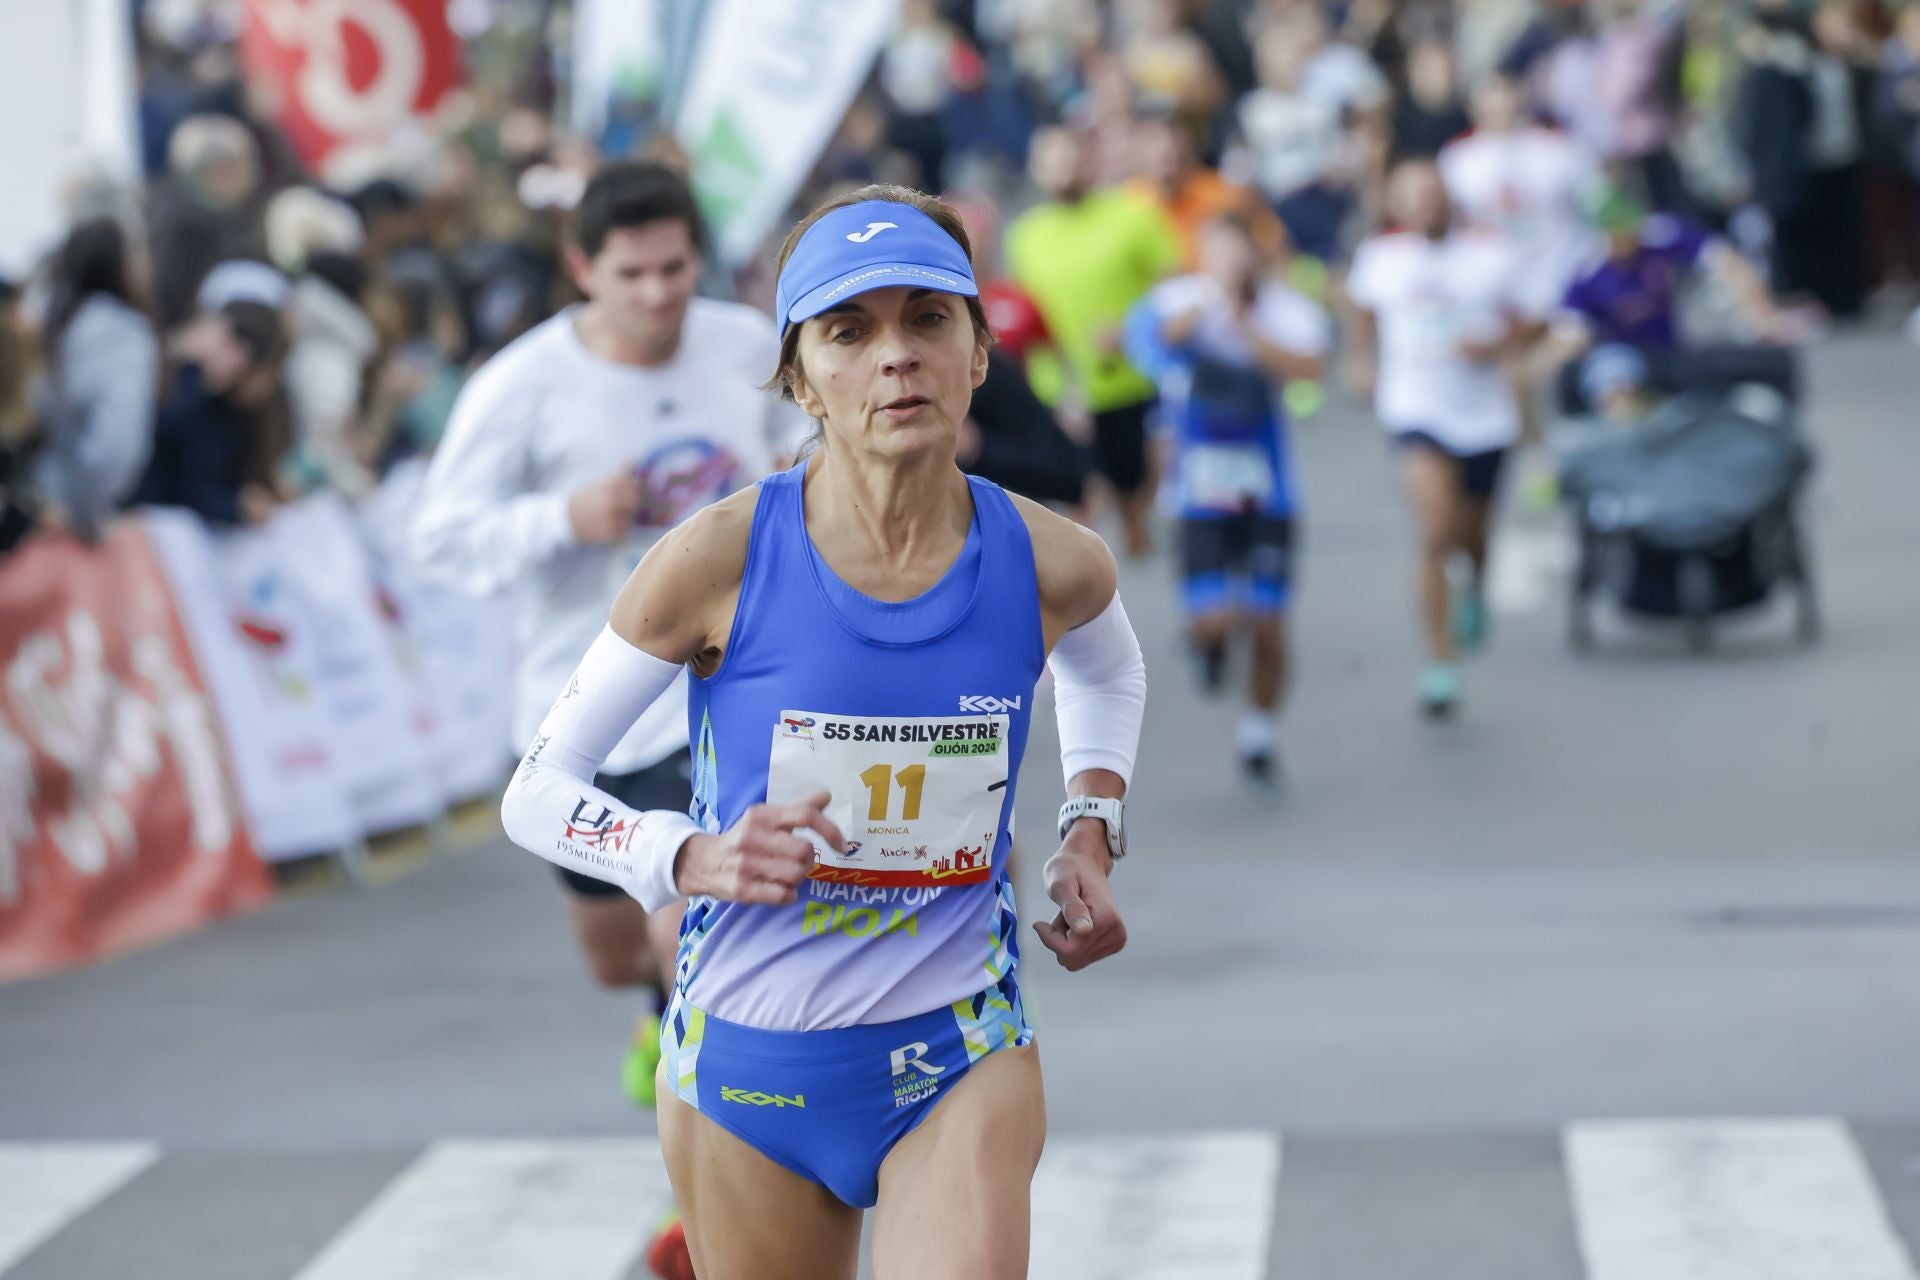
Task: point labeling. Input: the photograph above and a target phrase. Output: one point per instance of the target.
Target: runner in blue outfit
(864, 635)
(1221, 344)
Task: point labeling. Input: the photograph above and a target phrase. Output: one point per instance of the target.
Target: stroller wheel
(1580, 620)
(1807, 613)
(1799, 568)
(1807, 600)
(1586, 576)
(1699, 634)
(1696, 591)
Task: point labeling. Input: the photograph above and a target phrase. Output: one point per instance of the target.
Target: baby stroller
(1692, 514)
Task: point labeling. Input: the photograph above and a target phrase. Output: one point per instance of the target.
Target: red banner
(340, 76)
(118, 822)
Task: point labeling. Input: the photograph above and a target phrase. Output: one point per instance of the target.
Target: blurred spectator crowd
(233, 335)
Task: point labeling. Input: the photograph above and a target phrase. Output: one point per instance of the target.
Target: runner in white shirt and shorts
(1438, 310)
(569, 455)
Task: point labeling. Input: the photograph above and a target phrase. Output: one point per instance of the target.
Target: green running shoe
(1439, 690)
(1469, 621)
(642, 1062)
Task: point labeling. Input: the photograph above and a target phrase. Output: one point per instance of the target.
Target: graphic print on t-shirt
(676, 480)
(682, 476)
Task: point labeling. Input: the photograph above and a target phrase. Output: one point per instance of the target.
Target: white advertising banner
(383, 722)
(354, 698)
(457, 648)
(255, 646)
(771, 81)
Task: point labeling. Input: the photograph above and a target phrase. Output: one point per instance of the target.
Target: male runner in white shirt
(1530, 184)
(568, 455)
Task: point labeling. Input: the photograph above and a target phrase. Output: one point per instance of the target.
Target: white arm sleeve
(1099, 694)
(480, 529)
(552, 807)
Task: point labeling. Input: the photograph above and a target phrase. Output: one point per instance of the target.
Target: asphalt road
(1612, 977)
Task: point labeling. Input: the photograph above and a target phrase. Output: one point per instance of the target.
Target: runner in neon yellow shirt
(1085, 257)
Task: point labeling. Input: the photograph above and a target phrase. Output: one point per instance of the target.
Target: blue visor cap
(876, 244)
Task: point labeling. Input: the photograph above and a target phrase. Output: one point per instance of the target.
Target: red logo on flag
(345, 74)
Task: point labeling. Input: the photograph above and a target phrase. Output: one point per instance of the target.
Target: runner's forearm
(551, 806)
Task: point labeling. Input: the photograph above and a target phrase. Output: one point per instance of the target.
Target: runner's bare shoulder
(1073, 565)
(680, 601)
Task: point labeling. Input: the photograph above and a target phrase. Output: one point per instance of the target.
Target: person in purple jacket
(1632, 296)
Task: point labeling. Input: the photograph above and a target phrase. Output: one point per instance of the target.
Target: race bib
(1220, 477)
(918, 797)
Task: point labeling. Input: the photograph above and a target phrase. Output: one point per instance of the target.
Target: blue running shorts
(1240, 560)
(830, 1105)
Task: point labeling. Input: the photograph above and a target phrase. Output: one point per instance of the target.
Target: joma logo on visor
(755, 1098)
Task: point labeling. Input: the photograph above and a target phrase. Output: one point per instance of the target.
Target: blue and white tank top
(914, 715)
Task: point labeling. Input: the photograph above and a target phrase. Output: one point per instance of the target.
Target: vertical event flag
(66, 68)
(346, 75)
(618, 51)
(771, 81)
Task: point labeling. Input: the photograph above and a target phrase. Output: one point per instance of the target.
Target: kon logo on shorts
(983, 704)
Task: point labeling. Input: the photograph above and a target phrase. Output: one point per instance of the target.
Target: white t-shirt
(546, 417)
(1344, 77)
(1531, 186)
(1283, 316)
(1295, 139)
(1427, 298)
(914, 69)
(1225, 476)
(1569, 84)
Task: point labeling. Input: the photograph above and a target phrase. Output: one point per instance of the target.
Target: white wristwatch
(1108, 810)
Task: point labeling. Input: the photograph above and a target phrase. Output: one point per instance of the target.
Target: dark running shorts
(1120, 445)
(1479, 472)
(1242, 561)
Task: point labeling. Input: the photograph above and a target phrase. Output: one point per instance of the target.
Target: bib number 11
(879, 780)
(920, 799)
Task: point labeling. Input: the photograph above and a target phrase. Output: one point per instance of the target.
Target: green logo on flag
(726, 172)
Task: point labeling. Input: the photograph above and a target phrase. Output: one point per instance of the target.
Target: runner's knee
(617, 968)
(1211, 628)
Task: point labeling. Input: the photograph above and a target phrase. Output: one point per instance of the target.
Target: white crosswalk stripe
(45, 1185)
(1652, 1200)
(1728, 1200)
(1195, 1207)
(505, 1211)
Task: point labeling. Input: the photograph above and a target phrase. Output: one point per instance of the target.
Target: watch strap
(1107, 809)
